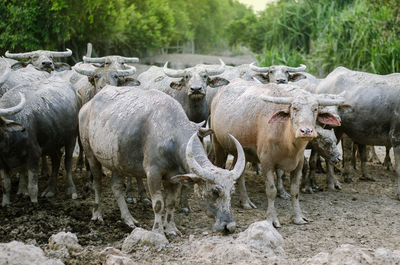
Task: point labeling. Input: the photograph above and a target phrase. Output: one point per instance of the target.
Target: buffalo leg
(331, 180)
(33, 172)
(22, 183)
(51, 189)
(295, 180)
(184, 193)
(271, 192)
(387, 162)
(396, 150)
(79, 161)
(95, 167)
(69, 150)
(362, 149)
(347, 146)
(245, 201)
(309, 182)
(154, 183)
(282, 193)
(171, 195)
(141, 190)
(45, 167)
(5, 176)
(118, 190)
(372, 156)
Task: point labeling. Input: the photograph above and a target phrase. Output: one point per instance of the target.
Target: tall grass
(359, 34)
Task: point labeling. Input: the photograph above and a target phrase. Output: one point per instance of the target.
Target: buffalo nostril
(46, 63)
(195, 88)
(281, 81)
(306, 131)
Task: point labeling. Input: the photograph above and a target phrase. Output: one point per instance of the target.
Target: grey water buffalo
(143, 139)
(40, 59)
(50, 120)
(374, 119)
(280, 74)
(190, 90)
(116, 61)
(273, 123)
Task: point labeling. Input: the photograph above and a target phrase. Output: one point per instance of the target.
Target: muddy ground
(364, 214)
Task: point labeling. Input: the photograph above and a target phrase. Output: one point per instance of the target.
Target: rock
(354, 255)
(140, 236)
(17, 253)
(263, 237)
(64, 244)
(113, 256)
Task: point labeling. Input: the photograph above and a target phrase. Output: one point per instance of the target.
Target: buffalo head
(280, 74)
(41, 60)
(108, 76)
(214, 185)
(196, 79)
(118, 62)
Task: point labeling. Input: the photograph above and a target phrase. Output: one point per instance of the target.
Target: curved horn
(173, 73)
(258, 81)
(218, 71)
(7, 72)
(301, 68)
(15, 109)
(237, 171)
(24, 55)
(130, 71)
(277, 100)
(82, 71)
(258, 69)
(89, 50)
(94, 60)
(130, 59)
(67, 53)
(192, 163)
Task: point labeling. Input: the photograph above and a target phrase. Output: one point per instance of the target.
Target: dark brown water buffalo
(374, 119)
(50, 120)
(41, 60)
(273, 123)
(149, 134)
(190, 91)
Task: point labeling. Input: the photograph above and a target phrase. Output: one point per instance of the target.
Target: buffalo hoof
(300, 220)
(131, 200)
(131, 222)
(273, 219)
(146, 201)
(49, 192)
(5, 202)
(248, 204)
(172, 232)
(307, 189)
(284, 195)
(347, 179)
(96, 216)
(185, 210)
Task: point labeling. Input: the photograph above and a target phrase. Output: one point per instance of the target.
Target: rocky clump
(64, 245)
(354, 255)
(113, 256)
(18, 253)
(142, 237)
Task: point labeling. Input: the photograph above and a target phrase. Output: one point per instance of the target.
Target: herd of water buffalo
(153, 126)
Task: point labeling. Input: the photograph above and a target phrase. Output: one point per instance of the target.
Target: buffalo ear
(217, 82)
(11, 125)
(61, 67)
(263, 78)
(19, 65)
(328, 119)
(279, 116)
(128, 82)
(186, 179)
(176, 85)
(91, 80)
(296, 77)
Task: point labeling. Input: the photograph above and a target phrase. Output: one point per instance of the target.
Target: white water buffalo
(190, 90)
(144, 139)
(273, 123)
(374, 119)
(41, 60)
(50, 120)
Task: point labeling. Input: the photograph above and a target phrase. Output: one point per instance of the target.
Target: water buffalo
(374, 119)
(143, 139)
(190, 90)
(273, 123)
(41, 60)
(50, 119)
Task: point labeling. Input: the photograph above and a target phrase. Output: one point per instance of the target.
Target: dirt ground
(365, 214)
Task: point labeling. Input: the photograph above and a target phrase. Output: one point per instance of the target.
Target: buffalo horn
(241, 161)
(94, 60)
(130, 71)
(15, 109)
(130, 59)
(277, 100)
(218, 71)
(67, 53)
(82, 71)
(23, 55)
(301, 68)
(258, 69)
(192, 163)
(6, 73)
(173, 73)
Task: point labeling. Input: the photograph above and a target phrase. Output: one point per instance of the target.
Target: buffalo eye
(35, 57)
(315, 109)
(204, 76)
(295, 109)
(97, 76)
(115, 76)
(187, 76)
